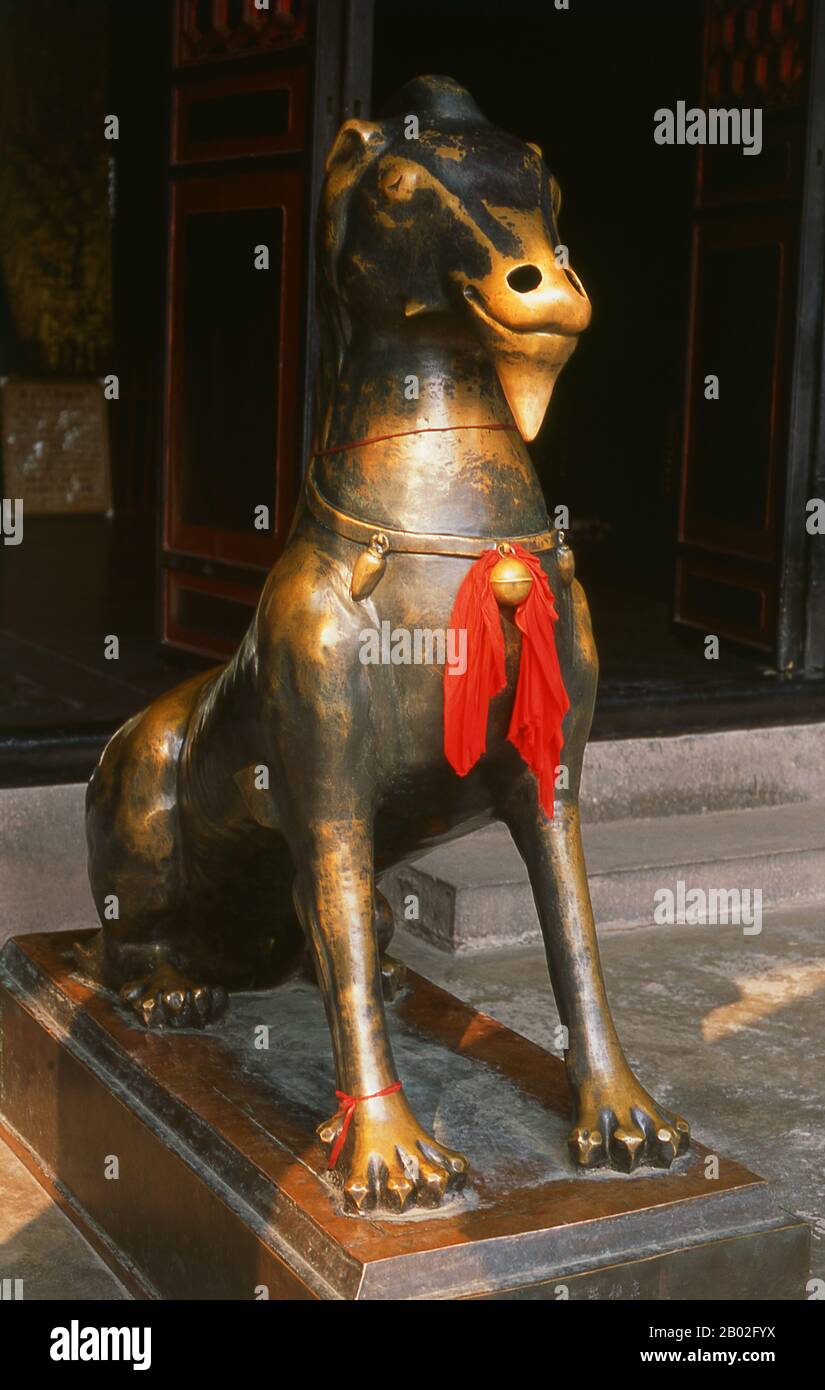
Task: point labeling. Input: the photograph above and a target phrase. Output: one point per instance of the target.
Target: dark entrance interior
(584, 84)
(75, 579)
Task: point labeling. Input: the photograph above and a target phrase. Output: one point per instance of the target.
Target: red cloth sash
(541, 700)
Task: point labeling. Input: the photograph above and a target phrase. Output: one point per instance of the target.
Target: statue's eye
(398, 182)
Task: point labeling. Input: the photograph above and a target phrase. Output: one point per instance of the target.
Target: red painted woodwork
(210, 30)
(204, 614)
(240, 160)
(203, 103)
(773, 238)
(283, 190)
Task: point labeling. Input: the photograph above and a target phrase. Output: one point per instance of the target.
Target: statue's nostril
(524, 278)
(575, 282)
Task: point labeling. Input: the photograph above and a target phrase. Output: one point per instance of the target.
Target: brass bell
(369, 567)
(564, 560)
(510, 579)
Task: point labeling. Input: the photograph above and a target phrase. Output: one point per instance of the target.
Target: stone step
(473, 894)
(692, 773)
(43, 878)
(650, 807)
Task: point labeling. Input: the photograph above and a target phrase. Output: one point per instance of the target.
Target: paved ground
(40, 1247)
(726, 1028)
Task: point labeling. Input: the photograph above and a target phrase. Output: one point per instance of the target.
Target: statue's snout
(541, 295)
(528, 312)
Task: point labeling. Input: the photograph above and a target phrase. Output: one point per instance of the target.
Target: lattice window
(756, 52)
(212, 29)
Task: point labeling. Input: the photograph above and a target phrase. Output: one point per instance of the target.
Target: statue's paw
(621, 1125)
(389, 1162)
(170, 1000)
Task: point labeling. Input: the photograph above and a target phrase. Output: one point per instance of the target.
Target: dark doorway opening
(584, 84)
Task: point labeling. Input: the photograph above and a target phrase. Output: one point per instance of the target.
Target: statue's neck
(388, 385)
(462, 480)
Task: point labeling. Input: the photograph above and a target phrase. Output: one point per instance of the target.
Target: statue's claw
(389, 1162)
(622, 1125)
(168, 1000)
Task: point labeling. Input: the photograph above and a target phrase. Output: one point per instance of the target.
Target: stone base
(221, 1191)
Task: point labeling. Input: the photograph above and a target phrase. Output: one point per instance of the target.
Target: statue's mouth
(527, 360)
(476, 302)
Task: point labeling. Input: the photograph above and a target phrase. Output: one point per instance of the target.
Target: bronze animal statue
(264, 797)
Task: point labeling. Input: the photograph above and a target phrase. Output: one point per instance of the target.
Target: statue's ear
(354, 147)
(355, 141)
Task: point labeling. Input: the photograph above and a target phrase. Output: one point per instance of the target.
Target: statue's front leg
(615, 1119)
(386, 1159)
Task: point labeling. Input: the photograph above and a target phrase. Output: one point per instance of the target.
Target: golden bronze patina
(270, 792)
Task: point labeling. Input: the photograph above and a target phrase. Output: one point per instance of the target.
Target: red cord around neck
(402, 434)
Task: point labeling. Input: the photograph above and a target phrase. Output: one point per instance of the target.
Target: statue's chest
(411, 650)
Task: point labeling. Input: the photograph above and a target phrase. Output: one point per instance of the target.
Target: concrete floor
(726, 1028)
(40, 1247)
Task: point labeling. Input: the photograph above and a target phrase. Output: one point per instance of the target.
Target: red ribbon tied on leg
(541, 700)
(346, 1107)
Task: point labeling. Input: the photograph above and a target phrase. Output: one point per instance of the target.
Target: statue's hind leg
(166, 997)
(146, 949)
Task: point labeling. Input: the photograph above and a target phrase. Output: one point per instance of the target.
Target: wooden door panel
(743, 297)
(727, 598)
(257, 95)
(743, 301)
(233, 379)
(247, 114)
(205, 614)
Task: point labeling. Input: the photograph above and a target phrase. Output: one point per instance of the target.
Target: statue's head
(432, 214)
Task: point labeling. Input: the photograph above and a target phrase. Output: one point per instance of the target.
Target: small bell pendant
(565, 561)
(369, 567)
(510, 579)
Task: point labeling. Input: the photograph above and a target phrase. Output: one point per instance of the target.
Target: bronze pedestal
(221, 1190)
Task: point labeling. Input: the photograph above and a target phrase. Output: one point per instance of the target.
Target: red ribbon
(402, 434)
(346, 1107)
(541, 700)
